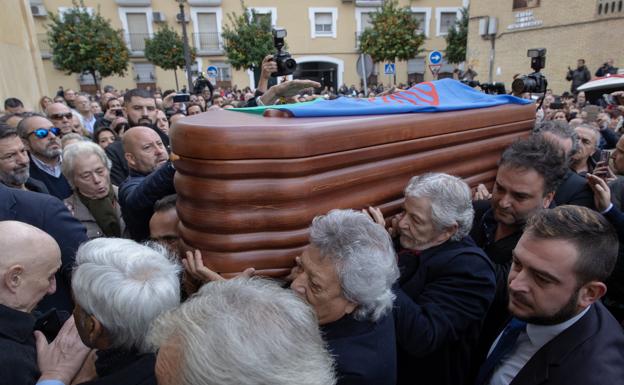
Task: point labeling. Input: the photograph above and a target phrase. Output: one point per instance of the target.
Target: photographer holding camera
(607, 69)
(578, 76)
(279, 64)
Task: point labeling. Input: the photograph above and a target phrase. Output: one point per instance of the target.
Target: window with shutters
(137, 24)
(207, 29)
(423, 15)
(323, 22)
(445, 19)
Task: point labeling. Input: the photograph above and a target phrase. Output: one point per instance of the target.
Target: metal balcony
(136, 42)
(208, 43)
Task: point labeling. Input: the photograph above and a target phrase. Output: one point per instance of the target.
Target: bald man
(29, 259)
(61, 116)
(150, 179)
(50, 215)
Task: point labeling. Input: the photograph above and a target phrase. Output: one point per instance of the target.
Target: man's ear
(98, 335)
(591, 292)
(446, 234)
(13, 277)
(130, 159)
(547, 200)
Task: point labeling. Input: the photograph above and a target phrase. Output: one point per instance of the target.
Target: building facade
(501, 32)
(22, 74)
(322, 37)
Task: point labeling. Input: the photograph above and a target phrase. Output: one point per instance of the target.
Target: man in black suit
(50, 215)
(561, 333)
(529, 172)
(43, 142)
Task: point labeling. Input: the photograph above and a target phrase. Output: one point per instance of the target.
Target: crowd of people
(522, 284)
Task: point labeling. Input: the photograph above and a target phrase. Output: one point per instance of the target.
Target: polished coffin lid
(249, 186)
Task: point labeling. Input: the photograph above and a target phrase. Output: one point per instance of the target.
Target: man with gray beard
(43, 142)
(14, 167)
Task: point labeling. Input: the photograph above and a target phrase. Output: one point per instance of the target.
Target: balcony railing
(208, 42)
(136, 42)
(44, 45)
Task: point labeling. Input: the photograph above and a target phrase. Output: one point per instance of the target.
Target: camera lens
(290, 64)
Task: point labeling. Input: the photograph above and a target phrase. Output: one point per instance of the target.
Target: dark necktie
(505, 343)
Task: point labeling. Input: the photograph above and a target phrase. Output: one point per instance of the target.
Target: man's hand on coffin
(194, 265)
(378, 218)
(286, 89)
(481, 193)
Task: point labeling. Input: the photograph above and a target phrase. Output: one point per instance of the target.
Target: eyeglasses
(43, 132)
(67, 115)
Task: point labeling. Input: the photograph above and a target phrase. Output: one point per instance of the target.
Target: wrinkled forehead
(139, 101)
(38, 122)
(10, 144)
(57, 108)
(586, 133)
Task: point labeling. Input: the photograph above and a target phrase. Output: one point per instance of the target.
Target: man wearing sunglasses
(43, 142)
(61, 117)
(15, 163)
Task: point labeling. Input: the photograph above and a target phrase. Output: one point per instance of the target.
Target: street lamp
(187, 54)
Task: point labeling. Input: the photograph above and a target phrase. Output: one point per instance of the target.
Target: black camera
(286, 65)
(181, 98)
(536, 82)
(202, 83)
(496, 88)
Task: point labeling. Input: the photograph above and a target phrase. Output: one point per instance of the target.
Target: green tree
(457, 39)
(248, 39)
(392, 35)
(84, 43)
(166, 50)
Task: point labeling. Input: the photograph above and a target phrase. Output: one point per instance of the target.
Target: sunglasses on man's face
(43, 132)
(67, 115)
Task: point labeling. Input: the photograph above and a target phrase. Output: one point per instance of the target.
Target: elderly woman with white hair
(241, 332)
(94, 200)
(346, 274)
(447, 283)
(120, 287)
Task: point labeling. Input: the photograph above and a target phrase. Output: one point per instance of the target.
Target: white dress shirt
(529, 342)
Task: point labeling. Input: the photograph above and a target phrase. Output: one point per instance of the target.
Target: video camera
(536, 82)
(286, 65)
(201, 83)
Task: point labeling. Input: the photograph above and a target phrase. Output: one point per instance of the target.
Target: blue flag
(436, 96)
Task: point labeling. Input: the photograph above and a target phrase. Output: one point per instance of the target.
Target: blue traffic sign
(389, 69)
(212, 71)
(435, 57)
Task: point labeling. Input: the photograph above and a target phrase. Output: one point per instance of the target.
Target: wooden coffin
(249, 186)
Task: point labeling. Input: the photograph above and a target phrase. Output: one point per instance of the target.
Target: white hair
(364, 257)
(451, 201)
(71, 154)
(125, 286)
(244, 332)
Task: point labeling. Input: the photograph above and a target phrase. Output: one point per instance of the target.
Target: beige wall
(292, 15)
(22, 74)
(568, 34)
